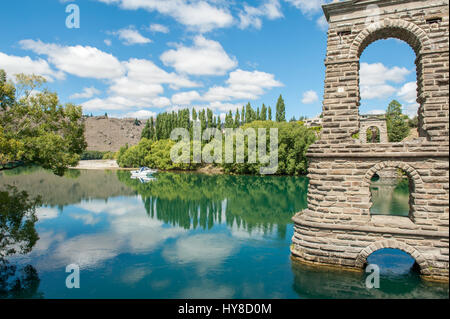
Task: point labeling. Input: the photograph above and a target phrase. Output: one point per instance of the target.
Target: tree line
(159, 128)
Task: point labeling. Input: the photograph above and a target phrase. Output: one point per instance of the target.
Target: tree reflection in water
(17, 236)
(200, 201)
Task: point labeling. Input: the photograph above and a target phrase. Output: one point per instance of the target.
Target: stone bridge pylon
(337, 228)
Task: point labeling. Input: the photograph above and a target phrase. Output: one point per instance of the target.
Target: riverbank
(99, 165)
(112, 165)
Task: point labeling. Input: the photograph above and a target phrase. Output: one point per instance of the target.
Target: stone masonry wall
(337, 228)
(353, 26)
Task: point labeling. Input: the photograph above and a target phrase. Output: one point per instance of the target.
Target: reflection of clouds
(207, 290)
(205, 250)
(257, 233)
(130, 231)
(46, 239)
(135, 274)
(114, 206)
(160, 284)
(87, 219)
(46, 212)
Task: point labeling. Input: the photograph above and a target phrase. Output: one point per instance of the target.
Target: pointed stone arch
(361, 260)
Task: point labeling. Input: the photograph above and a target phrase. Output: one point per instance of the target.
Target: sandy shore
(99, 165)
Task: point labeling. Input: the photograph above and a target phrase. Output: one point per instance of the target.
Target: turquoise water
(181, 236)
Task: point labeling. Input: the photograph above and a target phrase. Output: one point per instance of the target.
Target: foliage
(414, 122)
(281, 112)
(294, 140)
(36, 128)
(153, 154)
(17, 219)
(397, 123)
(92, 155)
(110, 155)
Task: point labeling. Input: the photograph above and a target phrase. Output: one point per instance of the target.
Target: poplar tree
(281, 112)
(263, 114)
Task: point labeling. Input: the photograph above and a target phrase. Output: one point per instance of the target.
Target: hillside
(109, 134)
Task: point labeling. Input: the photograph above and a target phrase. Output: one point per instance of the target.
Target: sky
(137, 58)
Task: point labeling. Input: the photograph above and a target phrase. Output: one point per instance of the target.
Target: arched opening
(393, 262)
(388, 81)
(391, 193)
(373, 134)
(399, 273)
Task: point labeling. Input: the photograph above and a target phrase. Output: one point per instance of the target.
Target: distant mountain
(109, 134)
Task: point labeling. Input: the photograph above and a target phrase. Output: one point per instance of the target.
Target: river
(187, 235)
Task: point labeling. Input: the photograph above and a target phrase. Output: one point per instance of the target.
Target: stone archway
(389, 28)
(415, 182)
(409, 170)
(361, 260)
(337, 225)
(367, 122)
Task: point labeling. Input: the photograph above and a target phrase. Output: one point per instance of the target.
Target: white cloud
(107, 42)
(159, 28)
(130, 36)
(411, 109)
(251, 16)
(205, 57)
(377, 74)
(374, 78)
(141, 114)
(308, 7)
(310, 97)
(322, 23)
(196, 15)
(86, 94)
(376, 112)
(408, 92)
(377, 91)
(184, 98)
(248, 85)
(17, 64)
(139, 87)
(82, 61)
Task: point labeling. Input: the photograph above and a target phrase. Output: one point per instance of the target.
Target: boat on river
(144, 174)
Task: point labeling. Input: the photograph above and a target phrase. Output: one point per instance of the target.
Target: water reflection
(17, 236)
(195, 200)
(180, 236)
(390, 197)
(323, 283)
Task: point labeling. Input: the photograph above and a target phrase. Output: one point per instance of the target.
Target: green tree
(280, 109)
(269, 117)
(146, 130)
(263, 114)
(237, 119)
(36, 128)
(397, 123)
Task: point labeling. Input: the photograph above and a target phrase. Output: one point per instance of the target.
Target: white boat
(143, 172)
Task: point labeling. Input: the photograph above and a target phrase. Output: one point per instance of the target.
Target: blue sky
(136, 58)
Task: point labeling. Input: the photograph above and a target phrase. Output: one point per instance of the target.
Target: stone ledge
(378, 155)
(384, 229)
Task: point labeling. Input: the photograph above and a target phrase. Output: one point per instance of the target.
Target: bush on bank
(294, 140)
